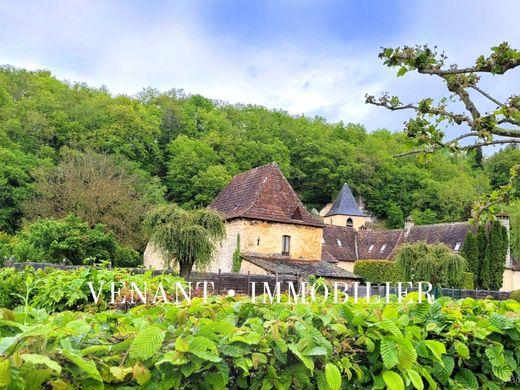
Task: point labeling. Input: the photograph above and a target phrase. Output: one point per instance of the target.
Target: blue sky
(310, 57)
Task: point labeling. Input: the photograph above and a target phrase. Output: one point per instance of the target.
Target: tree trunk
(185, 269)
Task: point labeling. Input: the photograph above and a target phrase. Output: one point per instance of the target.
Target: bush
(515, 295)
(233, 343)
(376, 271)
(468, 281)
(435, 263)
(70, 239)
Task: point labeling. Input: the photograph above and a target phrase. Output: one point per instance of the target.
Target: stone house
(276, 233)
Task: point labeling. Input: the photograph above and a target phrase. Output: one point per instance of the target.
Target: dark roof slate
(378, 244)
(293, 267)
(339, 242)
(263, 193)
(450, 234)
(345, 204)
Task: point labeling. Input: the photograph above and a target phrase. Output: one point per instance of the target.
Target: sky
(305, 57)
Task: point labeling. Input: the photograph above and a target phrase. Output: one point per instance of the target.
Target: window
(382, 248)
(338, 241)
(258, 241)
(286, 245)
(457, 246)
(371, 247)
(350, 222)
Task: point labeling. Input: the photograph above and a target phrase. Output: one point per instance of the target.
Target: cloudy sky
(306, 57)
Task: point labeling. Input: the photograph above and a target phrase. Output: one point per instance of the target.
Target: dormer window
(297, 214)
(370, 248)
(286, 245)
(457, 246)
(350, 222)
(382, 248)
(339, 242)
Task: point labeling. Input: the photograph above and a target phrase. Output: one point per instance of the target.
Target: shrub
(515, 295)
(233, 343)
(376, 271)
(435, 263)
(70, 239)
(468, 281)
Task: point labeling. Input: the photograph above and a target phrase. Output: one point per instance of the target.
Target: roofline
(292, 222)
(350, 215)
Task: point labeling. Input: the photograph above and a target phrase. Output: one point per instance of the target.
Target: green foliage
(470, 253)
(99, 189)
(237, 260)
(514, 216)
(70, 240)
(395, 218)
(496, 255)
(377, 271)
(483, 273)
(468, 281)
(233, 342)
(435, 263)
(187, 238)
(515, 295)
(192, 146)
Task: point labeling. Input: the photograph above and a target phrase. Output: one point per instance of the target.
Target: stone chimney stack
(503, 218)
(408, 225)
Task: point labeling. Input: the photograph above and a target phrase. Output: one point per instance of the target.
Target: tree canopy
(477, 128)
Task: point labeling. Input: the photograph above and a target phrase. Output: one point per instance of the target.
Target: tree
(98, 189)
(436, 264)
(470, 253)
(482, 243)
(54, 240)
(498, 126)
(395, 217)
(186, 238)
(497, 243)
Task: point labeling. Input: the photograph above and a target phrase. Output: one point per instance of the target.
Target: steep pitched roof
(379, 244)
(345, 204)
(263, 193)
(451, 234)
(338, 242)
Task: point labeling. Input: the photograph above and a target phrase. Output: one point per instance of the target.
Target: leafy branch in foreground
(478, 128)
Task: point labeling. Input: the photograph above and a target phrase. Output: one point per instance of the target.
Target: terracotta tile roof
(345, 204)
(451, 234)
(378, 244)
(293, 267)
(339, 242)
(263, 193)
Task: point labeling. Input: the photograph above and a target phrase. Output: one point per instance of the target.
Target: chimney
(408, 225)
(503, 218)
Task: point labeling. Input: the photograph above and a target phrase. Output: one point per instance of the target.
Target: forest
(73, 157)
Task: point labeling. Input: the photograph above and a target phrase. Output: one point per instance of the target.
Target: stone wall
(265, 239)
(511, 280)
(341, 220)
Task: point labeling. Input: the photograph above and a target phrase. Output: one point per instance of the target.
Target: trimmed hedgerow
(468, 280)
(376, 271)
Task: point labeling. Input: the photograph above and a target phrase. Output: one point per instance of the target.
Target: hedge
(468, 281)
(377, 271)
(515, 295)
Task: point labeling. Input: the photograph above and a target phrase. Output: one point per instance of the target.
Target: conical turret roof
(345, 204)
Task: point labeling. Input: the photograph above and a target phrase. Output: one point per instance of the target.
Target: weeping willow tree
(185, 238)
(436, 264)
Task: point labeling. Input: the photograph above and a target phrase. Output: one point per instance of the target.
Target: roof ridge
(444, 224)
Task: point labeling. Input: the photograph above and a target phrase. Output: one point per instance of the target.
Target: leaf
(461, 349)
(436, 347)
(147, 342)
(443, 371)
(181, 345)
(120, 373)
(41, 359)
(307, 361)
(332, 376)
(389, 353)
(5, 373)
(416, 379)
(204, 348)
(466, 378)
(89, 367)
(402, 71)
(393, 380)
(141, 374)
